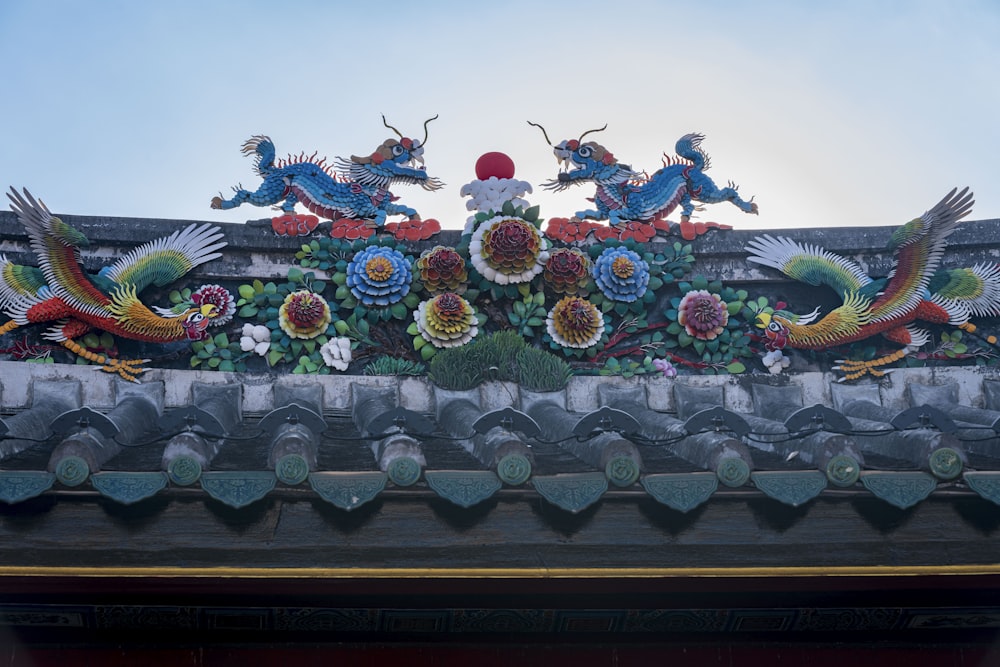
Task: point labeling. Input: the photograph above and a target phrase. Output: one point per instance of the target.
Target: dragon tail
(263, 149)
(689, 147)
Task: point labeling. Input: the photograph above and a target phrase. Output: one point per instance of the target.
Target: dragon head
(404, 151)
(400, 160)
(584, 161)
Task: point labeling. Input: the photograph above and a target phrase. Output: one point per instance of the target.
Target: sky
(828, 113)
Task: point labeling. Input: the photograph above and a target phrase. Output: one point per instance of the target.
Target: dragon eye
(774, 326)
(586, 151)
(397, 150)
(195, 318)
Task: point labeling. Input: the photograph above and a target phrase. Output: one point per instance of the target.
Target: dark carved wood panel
(407, 530)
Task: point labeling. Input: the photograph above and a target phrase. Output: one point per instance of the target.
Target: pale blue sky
(830, 113)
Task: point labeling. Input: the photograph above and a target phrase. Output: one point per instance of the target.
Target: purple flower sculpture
(703, 314)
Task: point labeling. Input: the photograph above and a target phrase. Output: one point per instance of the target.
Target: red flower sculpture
(692, 230)
(567, 271)
(294, 224)
(351, 229)
(633, 229)
(413, 230)
(570, 230)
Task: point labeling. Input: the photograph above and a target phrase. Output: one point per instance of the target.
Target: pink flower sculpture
(703, 314)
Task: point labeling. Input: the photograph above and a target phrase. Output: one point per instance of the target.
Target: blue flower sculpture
(379, 276)
(621, 274)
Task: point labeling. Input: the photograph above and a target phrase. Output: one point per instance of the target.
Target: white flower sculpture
(776, 361)
(256, 338)
(337, 353)
(490, 194)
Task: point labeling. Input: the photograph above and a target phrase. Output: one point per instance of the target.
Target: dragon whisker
(544, 133)
(600, 129)
(424, 142)
(386, 123)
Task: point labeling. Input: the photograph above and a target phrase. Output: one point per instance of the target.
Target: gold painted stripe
(500, 573)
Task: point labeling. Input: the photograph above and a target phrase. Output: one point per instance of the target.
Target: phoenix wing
(57, 245)
(165, 260)
(919, 245)
(809, 264)
(17, 280)
(977, 288)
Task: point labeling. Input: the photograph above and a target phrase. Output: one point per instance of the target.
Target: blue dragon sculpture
(624, 194)
(355, 188)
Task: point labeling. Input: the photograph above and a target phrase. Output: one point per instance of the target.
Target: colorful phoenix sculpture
(624, 194)
(359, 190)
(60, 292)
(917, 289)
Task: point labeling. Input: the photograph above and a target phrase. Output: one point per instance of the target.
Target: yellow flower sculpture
(447, 320)
(575, 322)
(304, 314)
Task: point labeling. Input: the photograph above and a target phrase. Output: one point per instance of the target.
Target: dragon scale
(360, 190)
(623, 194)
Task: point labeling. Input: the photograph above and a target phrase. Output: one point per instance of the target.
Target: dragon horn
(544, 133)
(386, 123)
(424, 142)
(600, 129)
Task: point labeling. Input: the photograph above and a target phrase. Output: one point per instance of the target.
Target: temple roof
(278, 474)
(684, 443)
